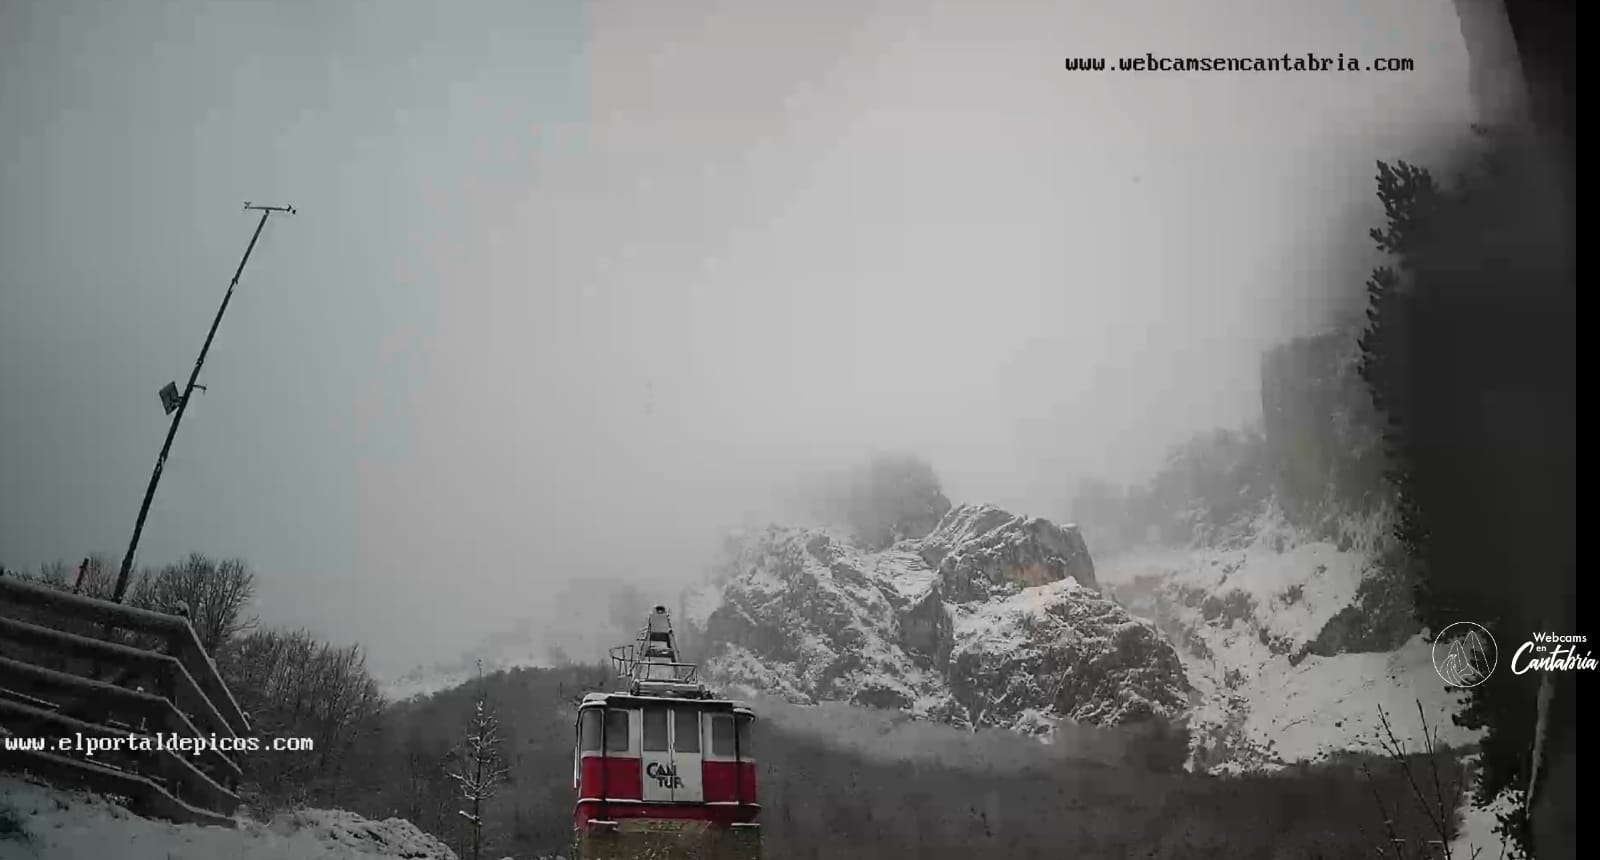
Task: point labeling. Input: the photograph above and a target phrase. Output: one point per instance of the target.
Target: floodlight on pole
(176, 402)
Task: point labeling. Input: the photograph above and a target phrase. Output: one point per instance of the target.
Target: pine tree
(1468, 353)
(480, 767)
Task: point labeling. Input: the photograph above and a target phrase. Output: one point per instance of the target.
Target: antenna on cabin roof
(651, 665)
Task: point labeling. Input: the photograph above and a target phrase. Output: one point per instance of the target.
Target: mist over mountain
(1246, 601)
(1056, 460)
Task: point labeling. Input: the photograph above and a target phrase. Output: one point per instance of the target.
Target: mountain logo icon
(1465, 654)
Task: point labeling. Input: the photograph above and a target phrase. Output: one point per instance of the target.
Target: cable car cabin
(663, 769)
(651, 757)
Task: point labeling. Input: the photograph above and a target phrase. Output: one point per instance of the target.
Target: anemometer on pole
(176, 402)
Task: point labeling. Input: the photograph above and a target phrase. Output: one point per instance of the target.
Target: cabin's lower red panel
(724, 814)
(621, 778)
(723, 802)
(720, 780)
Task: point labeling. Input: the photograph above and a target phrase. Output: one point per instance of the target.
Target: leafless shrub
(213, 594)
(1434, 793)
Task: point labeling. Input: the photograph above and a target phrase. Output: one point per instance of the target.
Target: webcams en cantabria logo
(1464, 654)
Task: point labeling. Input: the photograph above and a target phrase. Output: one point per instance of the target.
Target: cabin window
(655, 729)
(616, 731)
(746, 725)
(589, 735)
(722, 736)
(686, 730)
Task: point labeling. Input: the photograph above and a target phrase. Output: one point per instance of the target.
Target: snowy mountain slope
(990, 620)
(69, 825)
(1278, 648)
(1266, 635)
(807, 617)
(1274, 649)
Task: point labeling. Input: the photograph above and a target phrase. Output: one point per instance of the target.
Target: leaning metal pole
(183, 400)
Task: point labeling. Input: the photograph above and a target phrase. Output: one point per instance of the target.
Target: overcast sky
(573, 284)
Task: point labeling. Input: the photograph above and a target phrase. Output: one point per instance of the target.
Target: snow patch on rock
(992, 620)
(1250, 625)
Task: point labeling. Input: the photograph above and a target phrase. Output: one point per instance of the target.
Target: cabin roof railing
(651, 663)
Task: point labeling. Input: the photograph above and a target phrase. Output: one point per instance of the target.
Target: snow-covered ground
(1237, 615)
(65, 825)
(1241, 620)
(1477, 839)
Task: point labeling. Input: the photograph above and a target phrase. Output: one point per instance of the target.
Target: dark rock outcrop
(925, 628)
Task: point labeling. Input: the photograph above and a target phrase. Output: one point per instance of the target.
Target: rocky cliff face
(1265, 556)
(1316, 461)
(990, 620)
(1292, 644)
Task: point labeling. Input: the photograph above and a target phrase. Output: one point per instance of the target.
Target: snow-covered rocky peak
(982, 552)
(991, 620)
